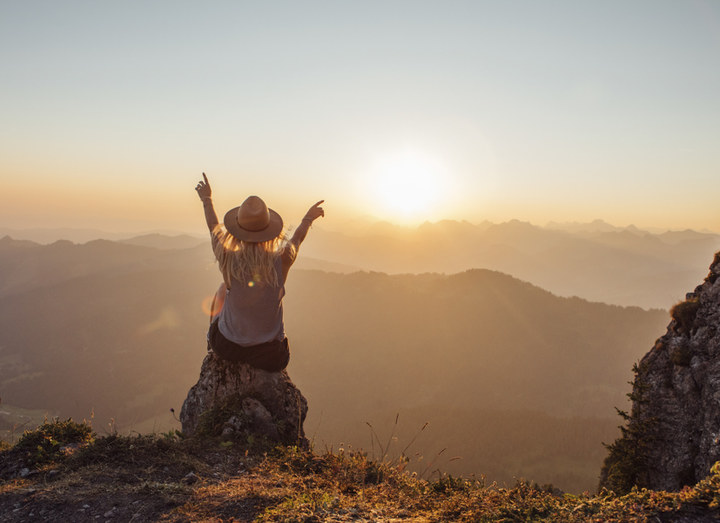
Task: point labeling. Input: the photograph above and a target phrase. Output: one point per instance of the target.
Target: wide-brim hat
(253, 221)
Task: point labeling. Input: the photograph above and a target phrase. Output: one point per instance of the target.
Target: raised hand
(203, 188)
(315, 212)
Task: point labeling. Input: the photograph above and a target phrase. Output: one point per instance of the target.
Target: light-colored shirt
(253, 311)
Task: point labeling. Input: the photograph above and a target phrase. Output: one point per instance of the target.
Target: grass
(53, 439)
(170, 478)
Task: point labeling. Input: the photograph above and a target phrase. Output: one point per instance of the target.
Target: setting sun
(409, 184)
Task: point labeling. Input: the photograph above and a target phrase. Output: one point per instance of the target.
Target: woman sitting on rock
(254, 259)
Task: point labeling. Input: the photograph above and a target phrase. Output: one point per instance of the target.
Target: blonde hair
(248, 262)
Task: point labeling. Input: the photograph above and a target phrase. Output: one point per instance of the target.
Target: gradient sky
(552, 110)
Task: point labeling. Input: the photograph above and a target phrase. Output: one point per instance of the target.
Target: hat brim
(270, 232)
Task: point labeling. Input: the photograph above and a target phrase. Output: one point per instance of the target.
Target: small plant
(172, 435)
(712, 275)
(385, 449)
(684, 314)
(213, 420)
(447, 483)
(50, 440)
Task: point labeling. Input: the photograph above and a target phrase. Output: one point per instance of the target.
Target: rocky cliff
(672, 435)
(234, 400)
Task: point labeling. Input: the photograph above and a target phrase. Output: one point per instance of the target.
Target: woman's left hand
(315, 212)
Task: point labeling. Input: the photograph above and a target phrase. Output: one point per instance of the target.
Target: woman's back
(253, 312)
(254, 260)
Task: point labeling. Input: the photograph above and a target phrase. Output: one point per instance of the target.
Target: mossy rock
(212, 421)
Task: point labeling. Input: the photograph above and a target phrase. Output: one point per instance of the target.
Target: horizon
(407, 113)
(359, 226)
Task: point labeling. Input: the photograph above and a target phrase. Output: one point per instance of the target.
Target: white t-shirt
(253, 311)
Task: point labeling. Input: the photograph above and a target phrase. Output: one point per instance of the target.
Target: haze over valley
(117, 330)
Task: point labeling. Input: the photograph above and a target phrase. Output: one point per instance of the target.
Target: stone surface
(234, 400)
(672, 437)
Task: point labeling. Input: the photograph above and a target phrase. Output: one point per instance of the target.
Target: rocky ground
(134, 479)
(169, 478)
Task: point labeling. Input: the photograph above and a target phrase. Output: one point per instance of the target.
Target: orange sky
(536, 111)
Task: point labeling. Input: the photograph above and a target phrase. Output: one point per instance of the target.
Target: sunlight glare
(409, 184)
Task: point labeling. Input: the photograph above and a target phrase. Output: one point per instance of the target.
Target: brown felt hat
(253, 221)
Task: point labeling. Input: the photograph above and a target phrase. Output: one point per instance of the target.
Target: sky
(406, 111)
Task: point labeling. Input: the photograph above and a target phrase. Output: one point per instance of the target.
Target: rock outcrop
(234, 400)
(672, 435)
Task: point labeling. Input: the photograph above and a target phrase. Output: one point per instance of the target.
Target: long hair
(252, 263)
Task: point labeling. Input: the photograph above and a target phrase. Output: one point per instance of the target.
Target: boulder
(234, 400)
(672, 435)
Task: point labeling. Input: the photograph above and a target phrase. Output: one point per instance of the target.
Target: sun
(408, 184)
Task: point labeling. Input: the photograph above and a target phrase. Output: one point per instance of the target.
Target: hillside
(596, 261)
(623, 266)
(163, 478)
(117, 332)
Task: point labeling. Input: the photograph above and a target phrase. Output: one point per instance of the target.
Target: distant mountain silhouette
(625, 266)
(118, 330)
(45, 235)
(583, 227)
(308, 263)
(596, 261)
(162, 241)
(25, 265)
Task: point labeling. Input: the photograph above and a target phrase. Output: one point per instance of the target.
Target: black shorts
(272, 356)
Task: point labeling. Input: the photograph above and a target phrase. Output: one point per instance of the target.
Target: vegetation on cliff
(625, 465)
(670, 437)
(170, 478)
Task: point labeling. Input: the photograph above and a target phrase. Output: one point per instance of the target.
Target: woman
(254, 260)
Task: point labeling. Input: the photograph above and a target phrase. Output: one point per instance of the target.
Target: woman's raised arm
(313, 214)
(205, 193)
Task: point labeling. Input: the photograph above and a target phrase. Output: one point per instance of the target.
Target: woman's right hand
(203, 188)
(315, 212)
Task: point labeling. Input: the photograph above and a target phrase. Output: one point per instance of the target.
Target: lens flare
(213, 304)
(207, 304)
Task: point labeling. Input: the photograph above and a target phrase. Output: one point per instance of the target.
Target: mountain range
(492, 362)
(596, 261)
(625, 266)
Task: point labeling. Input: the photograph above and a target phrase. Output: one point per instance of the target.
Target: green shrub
(711, 277)
(46, 443)
(622, 467)
(684, 314)
(626, 464)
